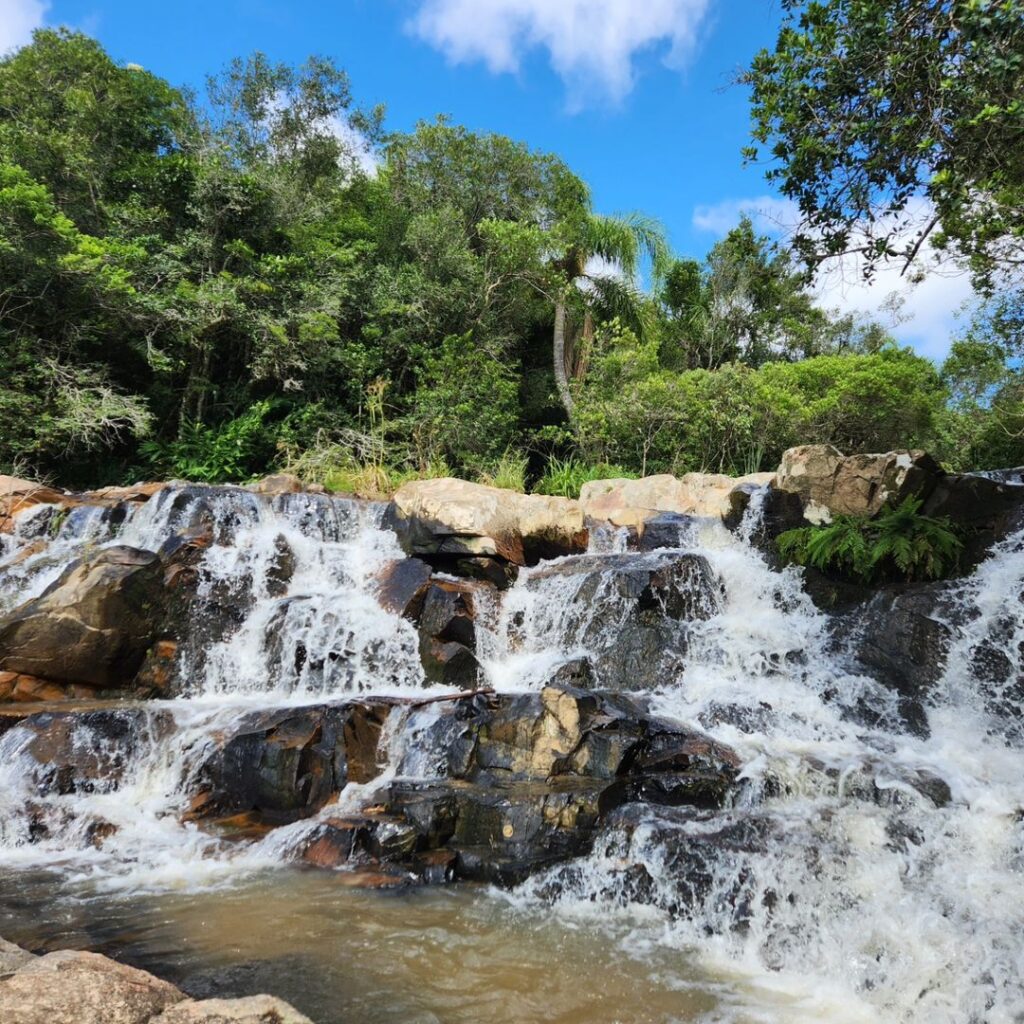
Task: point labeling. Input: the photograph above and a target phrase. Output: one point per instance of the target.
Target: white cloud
(925, 313)
(18, 19)
(591, 43)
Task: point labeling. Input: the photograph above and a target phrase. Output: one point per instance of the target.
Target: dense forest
(264, 277)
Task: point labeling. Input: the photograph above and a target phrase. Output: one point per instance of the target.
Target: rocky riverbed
(622, 702)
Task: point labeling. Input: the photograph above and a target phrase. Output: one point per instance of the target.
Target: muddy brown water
(353, 955)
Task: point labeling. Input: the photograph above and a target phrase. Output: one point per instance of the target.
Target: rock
(903, 638)
(402, 585)
(828, 482)
(247, 1010)
(667, 530)
(458, 519)
(21, 688)
(633, 502)
(133, 493)
(632, 612)
(12, 957)
(448, 632)
(72, 987)
(278, 483)
(93, 625)
(986, 510)
(287, 764)
(18, 495)
(88, 749)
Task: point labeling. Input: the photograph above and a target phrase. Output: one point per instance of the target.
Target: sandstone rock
(457, 519)
(278, 483)
(829, 482)
(12, 957)
(633, 502)
(70, 987)
(93, 625)
(248, 1010)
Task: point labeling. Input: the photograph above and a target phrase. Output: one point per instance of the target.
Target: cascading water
(862, 873)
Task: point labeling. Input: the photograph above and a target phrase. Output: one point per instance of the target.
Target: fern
(898, 542)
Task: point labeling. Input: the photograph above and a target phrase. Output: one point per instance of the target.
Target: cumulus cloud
(18, 19)
(592, 44)
(921, 312)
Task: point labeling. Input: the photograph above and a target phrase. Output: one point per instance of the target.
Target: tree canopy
(263, 277)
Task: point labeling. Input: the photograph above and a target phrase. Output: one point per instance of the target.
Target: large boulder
(94, 625)
(70, 987)
(75, 987)
(454, 519)
(633, 502)
(830, 483)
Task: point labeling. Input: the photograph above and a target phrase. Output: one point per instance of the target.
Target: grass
(566, 477)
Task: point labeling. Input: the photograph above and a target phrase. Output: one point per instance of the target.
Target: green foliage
(883, 117)
(508, 472)
(235, 450)
(566, 477)
(897, 543)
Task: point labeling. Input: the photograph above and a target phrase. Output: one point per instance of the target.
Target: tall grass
(566, 477)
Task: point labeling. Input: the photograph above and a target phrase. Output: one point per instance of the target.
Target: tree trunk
(561, 375)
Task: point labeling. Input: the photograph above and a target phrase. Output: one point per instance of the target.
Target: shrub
(898, 543)
(566, 477)
(234, 450)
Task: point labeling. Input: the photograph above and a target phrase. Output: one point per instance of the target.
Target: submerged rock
(634, 613)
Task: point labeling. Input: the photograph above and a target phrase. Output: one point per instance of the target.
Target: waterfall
(860, 872)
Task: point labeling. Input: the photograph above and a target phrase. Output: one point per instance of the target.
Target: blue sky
(635, 95)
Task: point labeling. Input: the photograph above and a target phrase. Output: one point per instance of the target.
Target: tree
(617, 241)
(891, 124)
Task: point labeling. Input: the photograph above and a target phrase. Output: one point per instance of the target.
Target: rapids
(862, 900)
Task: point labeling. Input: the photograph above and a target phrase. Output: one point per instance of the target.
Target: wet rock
(693, 846)
(633, 502)
(402, 585)
(288, 763)
(448, 633)
(578, 673)
(828, 482)
(462, 519)
(633, 612)
(666, 530)
(72, 987)
(88, 750)
(93, 625)
(903, 637)
(17, 496)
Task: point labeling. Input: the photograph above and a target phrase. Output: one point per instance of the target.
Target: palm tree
(619, 242)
